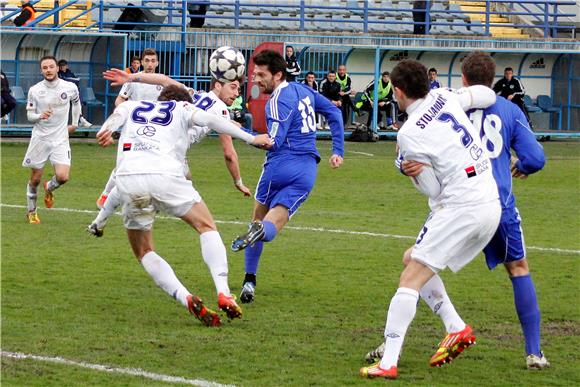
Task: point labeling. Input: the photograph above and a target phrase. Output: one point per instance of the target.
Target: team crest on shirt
(63, 95)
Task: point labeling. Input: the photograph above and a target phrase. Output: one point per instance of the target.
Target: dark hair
(174, 93)
(274, 61)
(433, 69)
(48, 57)
(331, 72)
(508, 69)
(62, 62)
(411, 77)
(310, 73)
(148, 51)
(478, 68)
(135, 57)
(385, 73)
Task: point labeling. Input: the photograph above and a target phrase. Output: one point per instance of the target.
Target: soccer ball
(227, 64)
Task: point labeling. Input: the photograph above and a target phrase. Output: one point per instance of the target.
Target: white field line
(361, 153)
(115, 370)
(316, 229)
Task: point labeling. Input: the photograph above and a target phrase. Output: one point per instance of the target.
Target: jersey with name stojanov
(154, 137)
(440, 134)
(137, 91)
(56, 97)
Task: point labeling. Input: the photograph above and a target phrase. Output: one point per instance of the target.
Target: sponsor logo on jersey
(144, 146)
(126, 146)
(225, 113)
(470, 171)
(148, 131)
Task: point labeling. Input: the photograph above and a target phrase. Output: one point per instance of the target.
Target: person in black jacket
(27, 14)
(8, 101)
(420, 16)
(512, 89)
(292, 67)
(310, 80)
(330, 88)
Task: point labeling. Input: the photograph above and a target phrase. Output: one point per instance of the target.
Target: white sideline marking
(116, 370)
(361, 153)
(298, 228)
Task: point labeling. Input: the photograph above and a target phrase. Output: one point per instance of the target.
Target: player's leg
(61, 176)
(108, 188)
(214, 255)
(112, 202)
(32, 194)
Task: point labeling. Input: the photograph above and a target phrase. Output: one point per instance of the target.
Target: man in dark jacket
(27, 14)
(310, 80)
(292, 67)
(8, 101)
(512, 89)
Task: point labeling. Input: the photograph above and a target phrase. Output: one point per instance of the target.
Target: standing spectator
(27, 14)
(292, 67)
(135, 65)
(8, 101)
(330, 88)
(420, 16)
(512, 89)
(310, 80)
(433, 82)
(197, 13)
(66, 74)
(344, 79)
(386, 101)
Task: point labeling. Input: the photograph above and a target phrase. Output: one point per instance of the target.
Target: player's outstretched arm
(475, 97)
(334, 118)
(120, 77)
(115, 121)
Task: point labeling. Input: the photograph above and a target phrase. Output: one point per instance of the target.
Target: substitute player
(48, 107)
(463, 196)
(290, 168)
(154, 140)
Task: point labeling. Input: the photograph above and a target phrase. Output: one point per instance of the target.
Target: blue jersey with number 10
(291, 119)
(503, 127)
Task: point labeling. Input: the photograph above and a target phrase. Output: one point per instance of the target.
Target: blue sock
(252, 254)
(528, 311)
(270, 231)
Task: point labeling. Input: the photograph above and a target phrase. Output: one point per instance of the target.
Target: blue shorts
(286, 181)
(507, 244)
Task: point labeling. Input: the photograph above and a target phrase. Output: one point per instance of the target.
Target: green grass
(321, 297)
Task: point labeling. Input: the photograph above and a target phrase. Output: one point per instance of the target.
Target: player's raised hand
(263, 141)
(105, 137)
(116, 76)
(411, 168)
(335, 161)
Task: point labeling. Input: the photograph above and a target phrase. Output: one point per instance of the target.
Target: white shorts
(40, 151)
(452, 237)
(143, 196)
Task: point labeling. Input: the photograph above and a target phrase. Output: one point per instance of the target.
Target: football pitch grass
(324, 284)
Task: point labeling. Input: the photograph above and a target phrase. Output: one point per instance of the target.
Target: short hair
(48, 57)
(478, 68)
(135, 57)
(385, 73)
(508, 69)
(147, 52)
(275, 62)
(411, 77)
(311, 73)
(433, 70)
(331, 72)
(174, 93)
(62, 62)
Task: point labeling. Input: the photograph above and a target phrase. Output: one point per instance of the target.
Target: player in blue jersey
(502, 127)
(290, 168)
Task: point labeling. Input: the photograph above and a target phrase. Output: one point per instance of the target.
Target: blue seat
(18, 94)
(88, 97)
(546, 104)
(530, 105)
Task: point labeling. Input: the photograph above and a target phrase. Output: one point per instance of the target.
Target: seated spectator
(330, 88)
(310, 80)
(346, 92)
(292, 67)
(135, 66)
(26, 16)
(65, 73)
(239, 113)
(433, 82)
(386, 102)
(512, 89)
(8, 101)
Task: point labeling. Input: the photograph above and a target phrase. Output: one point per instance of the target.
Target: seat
(89, 99)
(18, 94)
(529, 103)
(547, 105)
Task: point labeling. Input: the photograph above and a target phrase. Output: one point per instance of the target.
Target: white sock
(164, 277)
(401, 313)
(214, 255)
(113, 201)
(31, 195)
(53, 184)
(435, 295)
(111, 183)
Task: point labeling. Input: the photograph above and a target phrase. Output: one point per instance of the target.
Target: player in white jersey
(48, 107)
(463, 196)
(154, 140)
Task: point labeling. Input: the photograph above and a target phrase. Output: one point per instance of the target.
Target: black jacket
(292, 68)
(26, 13)
(330, 90)
(505, 88)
